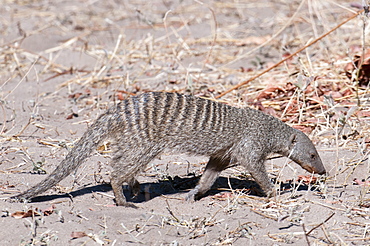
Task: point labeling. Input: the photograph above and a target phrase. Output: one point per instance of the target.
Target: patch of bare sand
(67, 60)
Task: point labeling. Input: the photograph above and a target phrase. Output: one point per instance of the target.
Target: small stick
(4, 115)
(308, 233)
(129, 233)
(288, 57)
(171, 213)
(326, 234)
(264, 215)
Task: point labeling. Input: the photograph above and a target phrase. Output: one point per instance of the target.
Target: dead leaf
(75, 95)
(364, 72)
(126, 92)
(333, 202)
(285, 55)
(78, 234)
(21, 214)
(361, 182)
(363, 113)
(120, 96)
(334, 94)
(270, 92)
(70, 116)
(268, 110)
(223, 195)
(307, 179)
(48, 211)
(110, 205)
(34, 212)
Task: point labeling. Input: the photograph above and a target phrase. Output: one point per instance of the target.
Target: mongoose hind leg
(210, 174)
(126, 166)
(116, 183)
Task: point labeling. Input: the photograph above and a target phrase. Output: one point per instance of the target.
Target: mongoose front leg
(134, 187)
(211, 173)
(259, 174)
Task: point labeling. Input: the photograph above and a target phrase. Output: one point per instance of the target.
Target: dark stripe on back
(205, 114)
(128, 112)
(176, 113)
(167, 109)
(149, 114)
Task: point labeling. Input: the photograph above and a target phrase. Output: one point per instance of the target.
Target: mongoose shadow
(142, 127)
(175, 185)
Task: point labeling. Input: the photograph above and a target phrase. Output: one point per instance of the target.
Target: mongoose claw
(126, 204)
(130, 205)
(16, 199)
(271, 193)
(12, 200)
(192, 195)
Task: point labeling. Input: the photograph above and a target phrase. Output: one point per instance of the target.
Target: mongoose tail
(83, 148)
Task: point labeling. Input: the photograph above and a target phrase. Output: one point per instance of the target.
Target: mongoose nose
(320, 170)
(323, 172)
(312, 169)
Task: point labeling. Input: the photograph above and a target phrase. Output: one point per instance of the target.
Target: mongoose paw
(135, 189)
(134, 194)
(271, 193)
(130, 205)
(16, 199)
(193, 195)
(126, 204)
(190, 197)
(12, 199)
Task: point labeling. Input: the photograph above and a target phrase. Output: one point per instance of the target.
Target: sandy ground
(63, 63)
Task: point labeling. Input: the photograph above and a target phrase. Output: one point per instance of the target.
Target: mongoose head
(302, 151)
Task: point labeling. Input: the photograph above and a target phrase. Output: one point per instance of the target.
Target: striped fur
(143, 126)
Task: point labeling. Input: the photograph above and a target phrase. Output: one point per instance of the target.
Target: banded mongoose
(141, 127)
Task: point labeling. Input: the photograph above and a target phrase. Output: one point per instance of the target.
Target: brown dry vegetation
(62, 63)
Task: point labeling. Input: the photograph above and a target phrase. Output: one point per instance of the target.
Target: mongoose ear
(292, 140)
